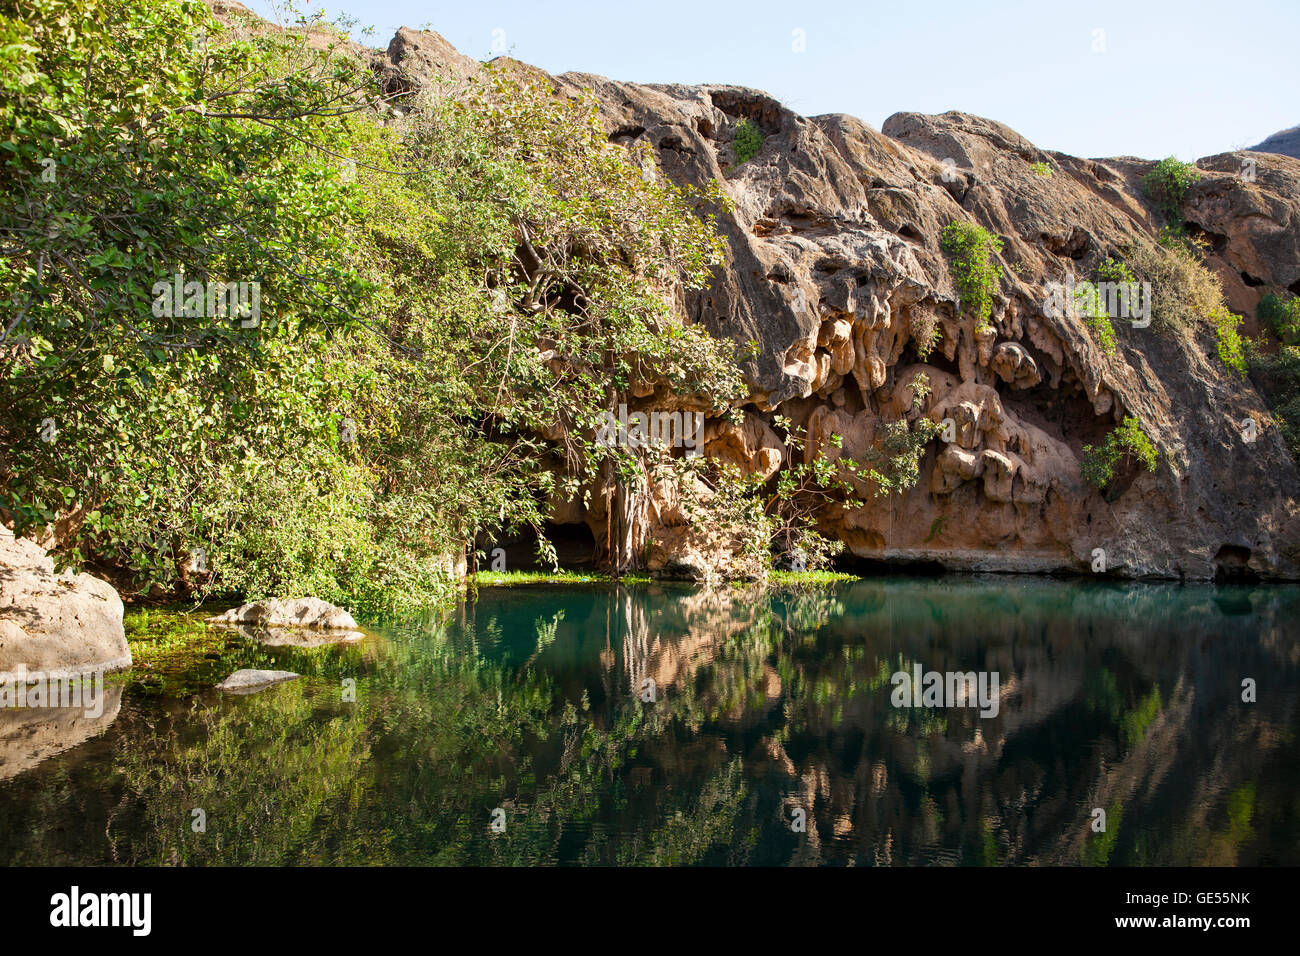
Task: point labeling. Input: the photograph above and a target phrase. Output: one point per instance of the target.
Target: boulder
(55, 624)
(288, 612)
(249, 681)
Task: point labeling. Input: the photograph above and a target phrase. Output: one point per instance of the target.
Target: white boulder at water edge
(288, 612)
(55, 624)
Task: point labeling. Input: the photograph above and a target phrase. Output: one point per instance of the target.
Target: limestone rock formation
(836, 270)
(55, 624)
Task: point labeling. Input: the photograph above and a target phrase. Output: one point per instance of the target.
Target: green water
(529, 700)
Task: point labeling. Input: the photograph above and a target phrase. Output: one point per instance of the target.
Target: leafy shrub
(1043, 169)
(1184, 292)
(1092, 307)
(972, 249)
(1114, 270)
(749, 140)
(1127, 442)
(1282, 315)
(1167, 183)
(1089, 304)
(1174, 237)
(1278, 377)
(1227, 336)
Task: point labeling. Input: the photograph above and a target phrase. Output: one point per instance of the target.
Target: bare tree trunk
(627, 525)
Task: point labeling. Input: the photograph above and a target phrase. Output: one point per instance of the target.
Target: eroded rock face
(1253, 228)
(835, 269)
(55, 624)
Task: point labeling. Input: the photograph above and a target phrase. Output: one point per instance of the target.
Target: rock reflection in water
(29, 735)
(1126, 699)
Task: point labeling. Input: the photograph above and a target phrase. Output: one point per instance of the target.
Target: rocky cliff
(836, 271)
(1286, 142)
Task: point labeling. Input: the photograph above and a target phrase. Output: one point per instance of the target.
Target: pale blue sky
(1187, 78)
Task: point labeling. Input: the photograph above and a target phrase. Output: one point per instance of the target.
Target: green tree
(139, 155)
(1282, 315)
(518, 276)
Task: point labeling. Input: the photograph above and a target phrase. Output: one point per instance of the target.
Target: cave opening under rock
(1063, 412)
(1232, 564)
(575, 549)
(851, 563)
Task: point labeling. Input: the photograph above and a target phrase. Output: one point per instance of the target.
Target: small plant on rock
(1228, 340)
(972, 250)
(1167, 183)
(926, 333)
(1278, 377)
(1282, 316)
(1127, 442)
(1114, 270)
(1089, 304)
(749, 140)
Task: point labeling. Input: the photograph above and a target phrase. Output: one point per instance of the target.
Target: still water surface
(1126, 699)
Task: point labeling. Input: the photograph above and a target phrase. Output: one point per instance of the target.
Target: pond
(654, 724)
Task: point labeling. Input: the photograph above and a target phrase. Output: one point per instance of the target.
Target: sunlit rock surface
(55, 624)
(288, 612)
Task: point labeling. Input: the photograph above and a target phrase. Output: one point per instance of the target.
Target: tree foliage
(749, 140)
(1282, 315)
(1167, 183)
(1128, 442)
(972, 251)
(438, 294)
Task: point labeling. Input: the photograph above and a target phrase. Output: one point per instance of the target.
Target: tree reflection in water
(1121, 698)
